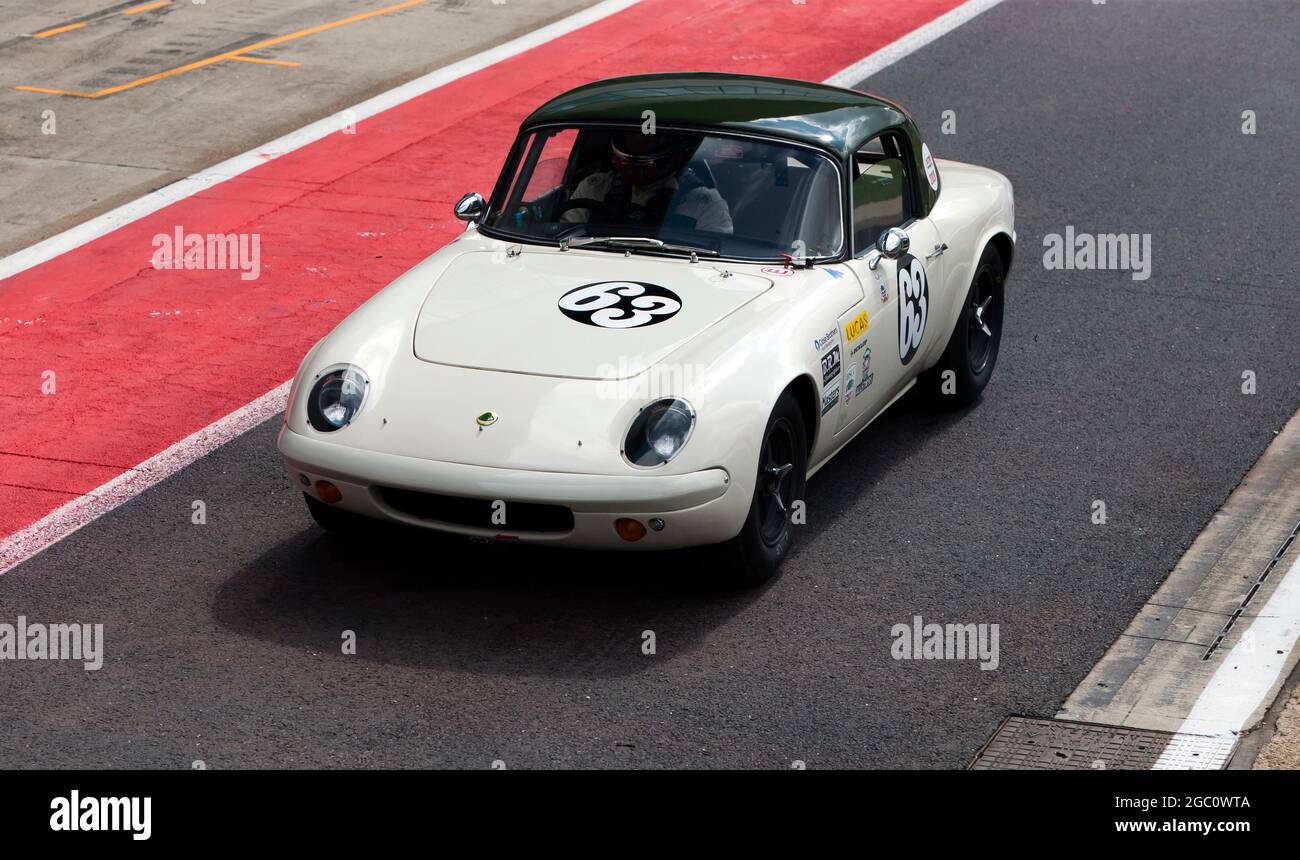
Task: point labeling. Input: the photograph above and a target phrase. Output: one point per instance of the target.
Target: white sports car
(686, 293)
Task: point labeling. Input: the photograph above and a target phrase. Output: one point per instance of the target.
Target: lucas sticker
(855, 328)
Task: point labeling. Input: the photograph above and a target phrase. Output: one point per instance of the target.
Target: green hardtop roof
(830, 117)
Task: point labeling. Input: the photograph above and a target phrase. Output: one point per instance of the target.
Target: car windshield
(619, 188)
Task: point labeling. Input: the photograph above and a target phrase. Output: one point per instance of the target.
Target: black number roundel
(913, 306)
(620, 304)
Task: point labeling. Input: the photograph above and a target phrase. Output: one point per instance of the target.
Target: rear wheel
(967, 363)
(753, 556)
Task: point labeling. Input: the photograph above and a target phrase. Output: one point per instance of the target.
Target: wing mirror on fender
(891, 244)
(471, 207)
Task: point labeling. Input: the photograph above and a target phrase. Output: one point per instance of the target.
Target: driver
(643, 187)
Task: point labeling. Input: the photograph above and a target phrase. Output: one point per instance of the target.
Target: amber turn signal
(629, 530)
(328, 493)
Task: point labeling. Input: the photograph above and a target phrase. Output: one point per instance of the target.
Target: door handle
(937, 252)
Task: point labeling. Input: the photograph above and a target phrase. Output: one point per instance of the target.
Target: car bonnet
(580, 314)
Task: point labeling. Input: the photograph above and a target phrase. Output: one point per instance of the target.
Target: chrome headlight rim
(350, 380)
(638, 448)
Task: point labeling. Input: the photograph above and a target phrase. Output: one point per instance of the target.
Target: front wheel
(753, 556)
(967, 363)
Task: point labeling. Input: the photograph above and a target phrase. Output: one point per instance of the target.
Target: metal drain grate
(1250, 594)
(1031, 743)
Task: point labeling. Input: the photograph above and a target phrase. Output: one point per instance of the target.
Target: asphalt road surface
(224, 639)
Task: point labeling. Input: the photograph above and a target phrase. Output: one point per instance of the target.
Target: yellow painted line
(289, 63)
(230, 55)
(57, 92)
(45, 34)
(136, 10)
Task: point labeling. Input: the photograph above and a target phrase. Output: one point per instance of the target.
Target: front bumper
(696, 508)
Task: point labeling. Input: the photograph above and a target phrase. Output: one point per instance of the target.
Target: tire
(336, 520)
(752, 557)
(972, 349)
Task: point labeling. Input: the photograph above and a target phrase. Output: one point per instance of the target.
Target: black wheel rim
(776, 483)
(985, 318)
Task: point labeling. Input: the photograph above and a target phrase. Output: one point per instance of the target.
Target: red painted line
(144, 357)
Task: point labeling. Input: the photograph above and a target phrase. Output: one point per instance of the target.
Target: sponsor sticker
(729, 149)
(850, 381)
(866, 382)
(931, 172)
(779, 271)
(831, 366)
(820, 343)
(620, 304)
(829, 399)
(856, 327)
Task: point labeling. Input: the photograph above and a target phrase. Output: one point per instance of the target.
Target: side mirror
(893, 243)
(471, 207)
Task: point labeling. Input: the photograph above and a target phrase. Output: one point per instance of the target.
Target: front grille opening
(477, 513)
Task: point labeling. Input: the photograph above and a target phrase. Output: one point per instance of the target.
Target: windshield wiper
(580, 241)
(632, 242)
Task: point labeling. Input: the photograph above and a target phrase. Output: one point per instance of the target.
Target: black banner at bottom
(216, 808)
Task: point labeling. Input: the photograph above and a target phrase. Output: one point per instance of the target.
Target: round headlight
(336, 398)
(658, 432)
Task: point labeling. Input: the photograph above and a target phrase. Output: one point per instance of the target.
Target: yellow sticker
(856, 327)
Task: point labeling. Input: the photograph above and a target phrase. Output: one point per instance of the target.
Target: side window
(552, 162)
(539, 174)
(881, 190)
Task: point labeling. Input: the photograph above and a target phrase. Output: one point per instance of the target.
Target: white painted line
(80, 512)
(106, 223)
(63, 521)
(913, 41)
(1247, 679)
(1194, 752)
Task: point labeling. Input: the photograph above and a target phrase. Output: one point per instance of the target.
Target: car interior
(773, 193)
(880, 191)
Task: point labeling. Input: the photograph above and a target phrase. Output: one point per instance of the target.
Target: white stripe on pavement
(913, 41)
(83, 510)
(1250, 674)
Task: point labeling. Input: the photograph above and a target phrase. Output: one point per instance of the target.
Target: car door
(890, 328)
